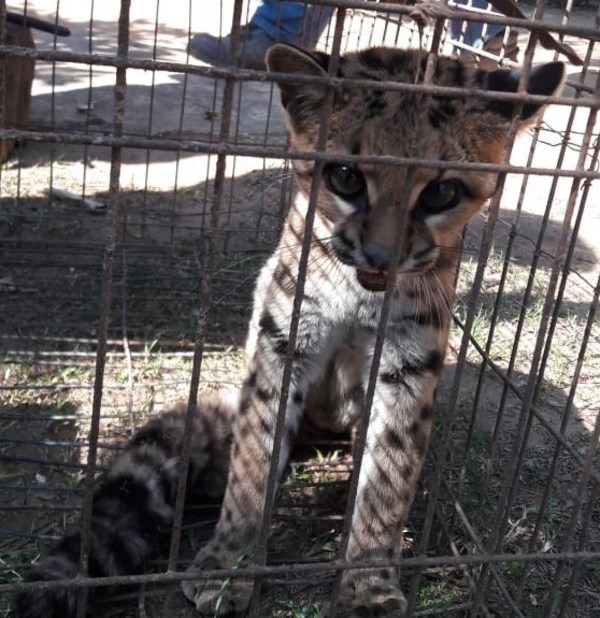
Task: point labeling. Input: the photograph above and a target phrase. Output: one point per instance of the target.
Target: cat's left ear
(300, 99)
(546, 80)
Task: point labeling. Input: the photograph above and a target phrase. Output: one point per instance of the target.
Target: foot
(252, 48)
(372, 595)
(217, 597)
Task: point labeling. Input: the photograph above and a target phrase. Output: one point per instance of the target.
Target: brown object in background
(17, 77)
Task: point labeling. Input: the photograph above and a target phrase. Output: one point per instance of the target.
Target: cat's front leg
(396, 446)
(235, 536)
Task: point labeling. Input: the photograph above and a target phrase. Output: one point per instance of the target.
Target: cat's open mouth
(371, 280)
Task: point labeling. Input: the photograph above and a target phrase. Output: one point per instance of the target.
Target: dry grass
(50, 362)
(49, 306)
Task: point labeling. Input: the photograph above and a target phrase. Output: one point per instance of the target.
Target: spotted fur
(354, 238)
(133, 504)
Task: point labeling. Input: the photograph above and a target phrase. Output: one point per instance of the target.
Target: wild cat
(353, 241)
(352, 244)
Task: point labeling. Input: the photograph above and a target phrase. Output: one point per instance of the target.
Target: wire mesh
(145, 191)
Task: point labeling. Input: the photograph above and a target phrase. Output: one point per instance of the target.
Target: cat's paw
(217, 597)
(375, 595)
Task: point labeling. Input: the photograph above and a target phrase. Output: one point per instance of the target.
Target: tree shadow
(100, 36)
(474, 474)
(77, 99)
(307, 519)
(39, 472)
(175, 108)
(53, 250)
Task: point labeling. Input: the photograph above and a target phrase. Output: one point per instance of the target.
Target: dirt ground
(50, 285)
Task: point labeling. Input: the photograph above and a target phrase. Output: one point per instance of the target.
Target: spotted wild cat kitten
(352, 243)
(353, 240)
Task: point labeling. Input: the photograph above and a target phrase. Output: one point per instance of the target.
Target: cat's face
(412, 210)
(418, 211)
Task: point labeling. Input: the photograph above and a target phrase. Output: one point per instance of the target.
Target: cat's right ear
(546, 80)
(300, 99)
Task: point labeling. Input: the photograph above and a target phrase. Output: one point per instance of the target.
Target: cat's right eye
(345, 181)
(441, 195)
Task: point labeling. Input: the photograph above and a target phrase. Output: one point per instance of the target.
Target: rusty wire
(483, 563)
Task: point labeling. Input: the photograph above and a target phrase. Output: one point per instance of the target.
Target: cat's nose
(376, 256)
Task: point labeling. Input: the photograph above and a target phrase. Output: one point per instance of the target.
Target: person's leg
(488, 37)
(473, 32)
(292, 22)
(282, 21)
(289, 22)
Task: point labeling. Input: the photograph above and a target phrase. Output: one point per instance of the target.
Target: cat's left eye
(441, 195)
(343, 180)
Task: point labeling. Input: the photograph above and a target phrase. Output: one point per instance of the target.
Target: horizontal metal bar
(56, 444)
(50, 488)
(292, 569)
(465, 15)
(241, 75)
(84, 386)
(47, 464)
(50, 538)
(280, 152)
(46, 508)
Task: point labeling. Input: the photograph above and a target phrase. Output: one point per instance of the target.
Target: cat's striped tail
(134, 502)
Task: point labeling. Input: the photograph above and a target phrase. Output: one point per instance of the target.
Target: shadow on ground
(177, 107)
(49, 304)
(307, 520)
(53, 251)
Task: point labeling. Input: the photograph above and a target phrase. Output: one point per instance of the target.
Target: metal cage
(140, 194)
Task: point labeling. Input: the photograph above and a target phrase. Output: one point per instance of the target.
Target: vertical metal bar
(592, 505)
(227, 235)
(568, 407)
(3, 69)
(174, 203)
(445, 439)
(143, 227)
(515, 459)
(261, 545)
(89, 100)
(259, 218)
(208, 264)
(215, 96)
(53, 106)
(125, 342)
(105, 299)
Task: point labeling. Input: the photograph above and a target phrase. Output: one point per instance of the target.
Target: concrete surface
(169, 104)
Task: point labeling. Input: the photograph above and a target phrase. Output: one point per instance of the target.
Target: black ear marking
(284, 58)
(322, 58)
(545, 80)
